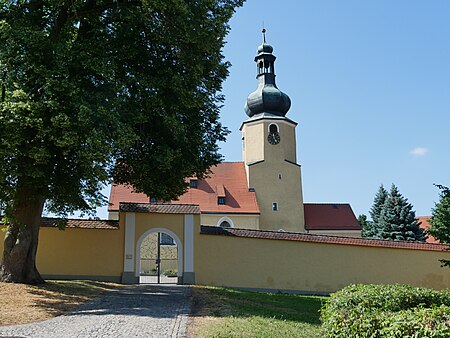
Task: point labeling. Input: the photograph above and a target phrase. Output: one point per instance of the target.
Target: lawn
(20, 303)
(222, 312)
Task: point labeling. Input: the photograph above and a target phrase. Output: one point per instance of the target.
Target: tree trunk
(21, 240)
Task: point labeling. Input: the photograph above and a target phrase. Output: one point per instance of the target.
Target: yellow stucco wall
(239, 221)
(289, 265)
(287, 192)
(257, 148)
(79, 252)
(172, 222)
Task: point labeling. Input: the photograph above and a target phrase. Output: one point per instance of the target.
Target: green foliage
(378, 204)
(393, 218)
(366, 226)
(440, 217)
(387, 311)
(95, 89)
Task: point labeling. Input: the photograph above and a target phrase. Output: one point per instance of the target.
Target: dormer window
(220, 191)
(193, 183)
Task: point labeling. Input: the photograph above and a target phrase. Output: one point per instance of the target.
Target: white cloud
(419, 151)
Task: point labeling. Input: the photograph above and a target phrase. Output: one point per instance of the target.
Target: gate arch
(179, 250)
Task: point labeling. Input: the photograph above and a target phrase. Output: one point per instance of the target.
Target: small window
(193, 183)
(165, 239)
(153, 200)
(273, 128)
(225, 224)
(221, 200)
(275, 206)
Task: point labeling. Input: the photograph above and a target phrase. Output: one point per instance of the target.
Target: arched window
(225, 222)
(273, 128)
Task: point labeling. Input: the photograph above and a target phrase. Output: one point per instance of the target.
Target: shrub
(387, 311)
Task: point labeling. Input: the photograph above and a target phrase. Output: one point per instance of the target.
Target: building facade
(264, 191)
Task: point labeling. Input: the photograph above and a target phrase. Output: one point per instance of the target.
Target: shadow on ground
(220, 302)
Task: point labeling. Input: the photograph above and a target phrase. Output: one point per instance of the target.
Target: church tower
(269, 150)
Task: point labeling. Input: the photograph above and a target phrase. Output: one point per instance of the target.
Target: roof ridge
(330, 203)
(80, 219)
(188, 204)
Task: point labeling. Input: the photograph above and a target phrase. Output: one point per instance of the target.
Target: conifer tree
(397, 220)
(371, 229)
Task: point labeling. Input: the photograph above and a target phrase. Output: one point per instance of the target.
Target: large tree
(440, 219)
(97, 89)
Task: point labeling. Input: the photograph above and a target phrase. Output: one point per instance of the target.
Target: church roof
(330, 217)
(425, 224)
(228, 179)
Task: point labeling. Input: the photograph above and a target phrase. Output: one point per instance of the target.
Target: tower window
(275, 206)
(273, 128)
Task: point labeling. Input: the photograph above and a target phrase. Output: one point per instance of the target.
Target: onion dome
(267, 98)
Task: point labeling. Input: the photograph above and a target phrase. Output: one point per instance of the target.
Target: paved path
(131, 311)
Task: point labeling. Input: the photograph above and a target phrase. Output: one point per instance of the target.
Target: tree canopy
(440, 219)
(92, 90)
(393, 218)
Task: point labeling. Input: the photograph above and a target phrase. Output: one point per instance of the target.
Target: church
(264, 191)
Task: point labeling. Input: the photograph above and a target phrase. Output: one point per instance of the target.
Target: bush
(387, 311)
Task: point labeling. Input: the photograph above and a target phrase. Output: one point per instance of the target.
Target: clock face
(273, 138)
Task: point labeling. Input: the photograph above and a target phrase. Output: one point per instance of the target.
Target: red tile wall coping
(326, 239)
(82, 223)
(164, 208)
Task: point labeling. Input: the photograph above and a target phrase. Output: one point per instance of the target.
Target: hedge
(387, 311)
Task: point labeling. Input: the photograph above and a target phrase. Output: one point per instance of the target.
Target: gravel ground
(131, 311)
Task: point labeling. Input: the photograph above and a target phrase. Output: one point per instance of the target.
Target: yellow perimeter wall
(316, 267)
(79, 253)
(244, 262)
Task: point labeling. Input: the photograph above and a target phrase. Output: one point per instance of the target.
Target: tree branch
(84, 11)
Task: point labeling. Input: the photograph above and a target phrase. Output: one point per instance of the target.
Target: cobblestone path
(131, 311)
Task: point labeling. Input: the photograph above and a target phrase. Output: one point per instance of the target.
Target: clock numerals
(273, 138)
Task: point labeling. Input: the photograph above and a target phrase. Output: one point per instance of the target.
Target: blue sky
(369, 83)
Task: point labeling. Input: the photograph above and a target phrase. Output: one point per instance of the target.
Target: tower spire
(267, 98)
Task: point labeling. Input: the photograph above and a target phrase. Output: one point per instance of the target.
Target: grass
(20, 303)
(222, 312)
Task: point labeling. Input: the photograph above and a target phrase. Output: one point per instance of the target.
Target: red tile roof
(330, 217)
(160, 208)
(302, 237)
(124, 193)
(227, 178)
(425, 224)
(82, 223)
